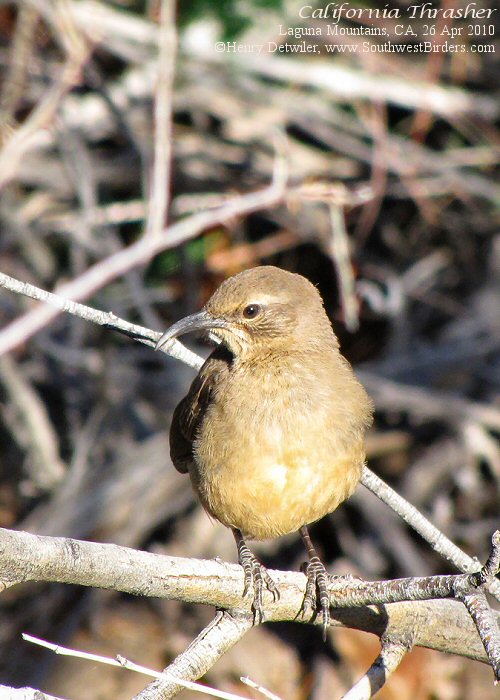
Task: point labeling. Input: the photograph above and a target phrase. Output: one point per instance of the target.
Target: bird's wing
(189, 414)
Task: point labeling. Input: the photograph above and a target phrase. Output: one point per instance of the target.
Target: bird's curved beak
(195, 322)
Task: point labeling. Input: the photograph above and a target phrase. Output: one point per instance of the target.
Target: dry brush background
(396, 155)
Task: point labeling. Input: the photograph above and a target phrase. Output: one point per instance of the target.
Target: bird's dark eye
(251, 311)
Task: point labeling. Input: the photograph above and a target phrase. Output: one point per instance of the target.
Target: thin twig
(438, 541)
(102, 318)
(260, 689)
(159, 197)
(122, 662)
(219, 636)
(140, 253)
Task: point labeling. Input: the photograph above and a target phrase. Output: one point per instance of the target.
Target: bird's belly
(270, 492)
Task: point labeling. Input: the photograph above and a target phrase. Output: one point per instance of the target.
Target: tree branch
(437, 624)
(438, 541)
(218, 637)
(140, 253)
(160, 186)
(391, 655)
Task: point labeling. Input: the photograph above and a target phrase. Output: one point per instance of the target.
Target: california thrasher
(272, 428)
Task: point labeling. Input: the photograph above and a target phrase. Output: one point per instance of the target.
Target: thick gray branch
(443, 625)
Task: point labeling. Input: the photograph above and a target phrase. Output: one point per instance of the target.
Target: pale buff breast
(269, 483)
(288, 451)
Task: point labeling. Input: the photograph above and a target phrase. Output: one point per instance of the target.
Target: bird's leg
(256, 577)
(317, 580)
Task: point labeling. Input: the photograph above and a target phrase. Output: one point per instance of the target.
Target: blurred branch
(140, 253)
(14, 79)
(160, 188)
(426, 403)
(41, 117)
(339, 251)
(31, 426)
(350, 84)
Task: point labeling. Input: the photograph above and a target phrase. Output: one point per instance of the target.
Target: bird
(271, 431)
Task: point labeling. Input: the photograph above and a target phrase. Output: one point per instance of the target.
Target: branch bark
(443, 625)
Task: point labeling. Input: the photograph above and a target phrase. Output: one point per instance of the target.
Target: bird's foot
(256, 579)
(316, 592)
(317, 583)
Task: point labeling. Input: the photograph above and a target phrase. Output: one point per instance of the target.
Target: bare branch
(439, 624)
(391, 655)
(477, 604)
(101, 318)
(438, 541)
(223, 633)
(7, 693)
(159, 196)
(122, 662)
(487, 627)
(139, 253)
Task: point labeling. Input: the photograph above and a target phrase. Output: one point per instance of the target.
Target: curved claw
(317, 591)
(317, 584)
(256, 578)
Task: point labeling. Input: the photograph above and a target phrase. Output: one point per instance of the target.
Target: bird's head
(263, 309)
